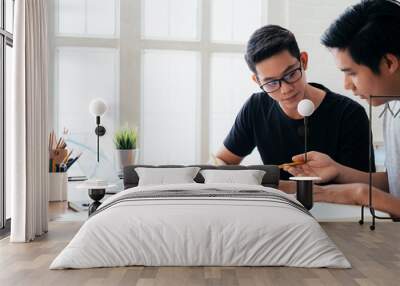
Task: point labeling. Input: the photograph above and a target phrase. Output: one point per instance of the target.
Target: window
(233, 21)
(84, 65)
(170, 94)
(87, 18)
(6, 43)
(170, 19)
(230, 88)
(174, 130)
(171, 74)
(83, 75)
(226, 98)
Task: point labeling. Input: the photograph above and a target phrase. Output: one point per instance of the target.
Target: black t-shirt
(338, 127)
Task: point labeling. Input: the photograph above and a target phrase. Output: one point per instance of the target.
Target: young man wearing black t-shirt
(269, 120)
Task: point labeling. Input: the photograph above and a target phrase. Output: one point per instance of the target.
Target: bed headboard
(270, 179)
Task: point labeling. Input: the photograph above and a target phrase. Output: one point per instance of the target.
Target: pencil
(66, 157)
(53, 140)
(58, 143)
(70, 163)
(50, 142)
(290, 164)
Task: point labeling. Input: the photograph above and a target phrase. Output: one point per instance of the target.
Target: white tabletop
(94, 187)
(305, 178)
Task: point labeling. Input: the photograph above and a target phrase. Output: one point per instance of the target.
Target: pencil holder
(58, 186)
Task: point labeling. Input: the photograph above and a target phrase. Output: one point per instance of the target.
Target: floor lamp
(304, 192)
(371, 147)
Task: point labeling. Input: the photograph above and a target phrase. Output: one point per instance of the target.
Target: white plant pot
(127, 157)
(58, 187)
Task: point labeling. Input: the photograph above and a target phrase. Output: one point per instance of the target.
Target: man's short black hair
(369, 30)
(268, 41)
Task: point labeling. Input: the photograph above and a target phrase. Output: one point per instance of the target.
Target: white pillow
(248, 177)
(165, 176)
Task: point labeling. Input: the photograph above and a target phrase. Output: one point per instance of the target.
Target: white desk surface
(321, 211)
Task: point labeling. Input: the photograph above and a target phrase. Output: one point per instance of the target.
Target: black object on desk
(96, 195)
(304, 193)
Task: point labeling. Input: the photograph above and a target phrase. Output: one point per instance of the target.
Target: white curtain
(28, 115)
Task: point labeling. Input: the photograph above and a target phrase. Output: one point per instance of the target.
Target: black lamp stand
(100, 131)
(305, 137)
(304, 191)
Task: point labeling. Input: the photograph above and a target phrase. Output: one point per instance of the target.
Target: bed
(201, 224)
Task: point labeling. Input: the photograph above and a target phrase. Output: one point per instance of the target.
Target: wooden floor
(374, 255)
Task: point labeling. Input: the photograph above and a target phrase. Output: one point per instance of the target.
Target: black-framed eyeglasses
(289, 77)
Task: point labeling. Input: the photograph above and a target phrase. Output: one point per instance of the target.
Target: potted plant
(125, 140)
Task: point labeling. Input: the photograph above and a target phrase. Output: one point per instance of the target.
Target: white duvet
(200, 231)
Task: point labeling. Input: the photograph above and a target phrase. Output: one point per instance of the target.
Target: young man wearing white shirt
(365, 42)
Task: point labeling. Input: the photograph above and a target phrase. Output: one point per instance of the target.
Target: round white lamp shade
(97, 107)
(305, 107)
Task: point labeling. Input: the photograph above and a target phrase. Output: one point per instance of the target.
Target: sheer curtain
(28, 115)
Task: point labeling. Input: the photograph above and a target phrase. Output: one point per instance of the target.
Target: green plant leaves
(125, 138)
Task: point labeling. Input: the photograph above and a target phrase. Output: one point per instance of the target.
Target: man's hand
(318, 165)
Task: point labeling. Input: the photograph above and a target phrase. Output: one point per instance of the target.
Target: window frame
(6, 39)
